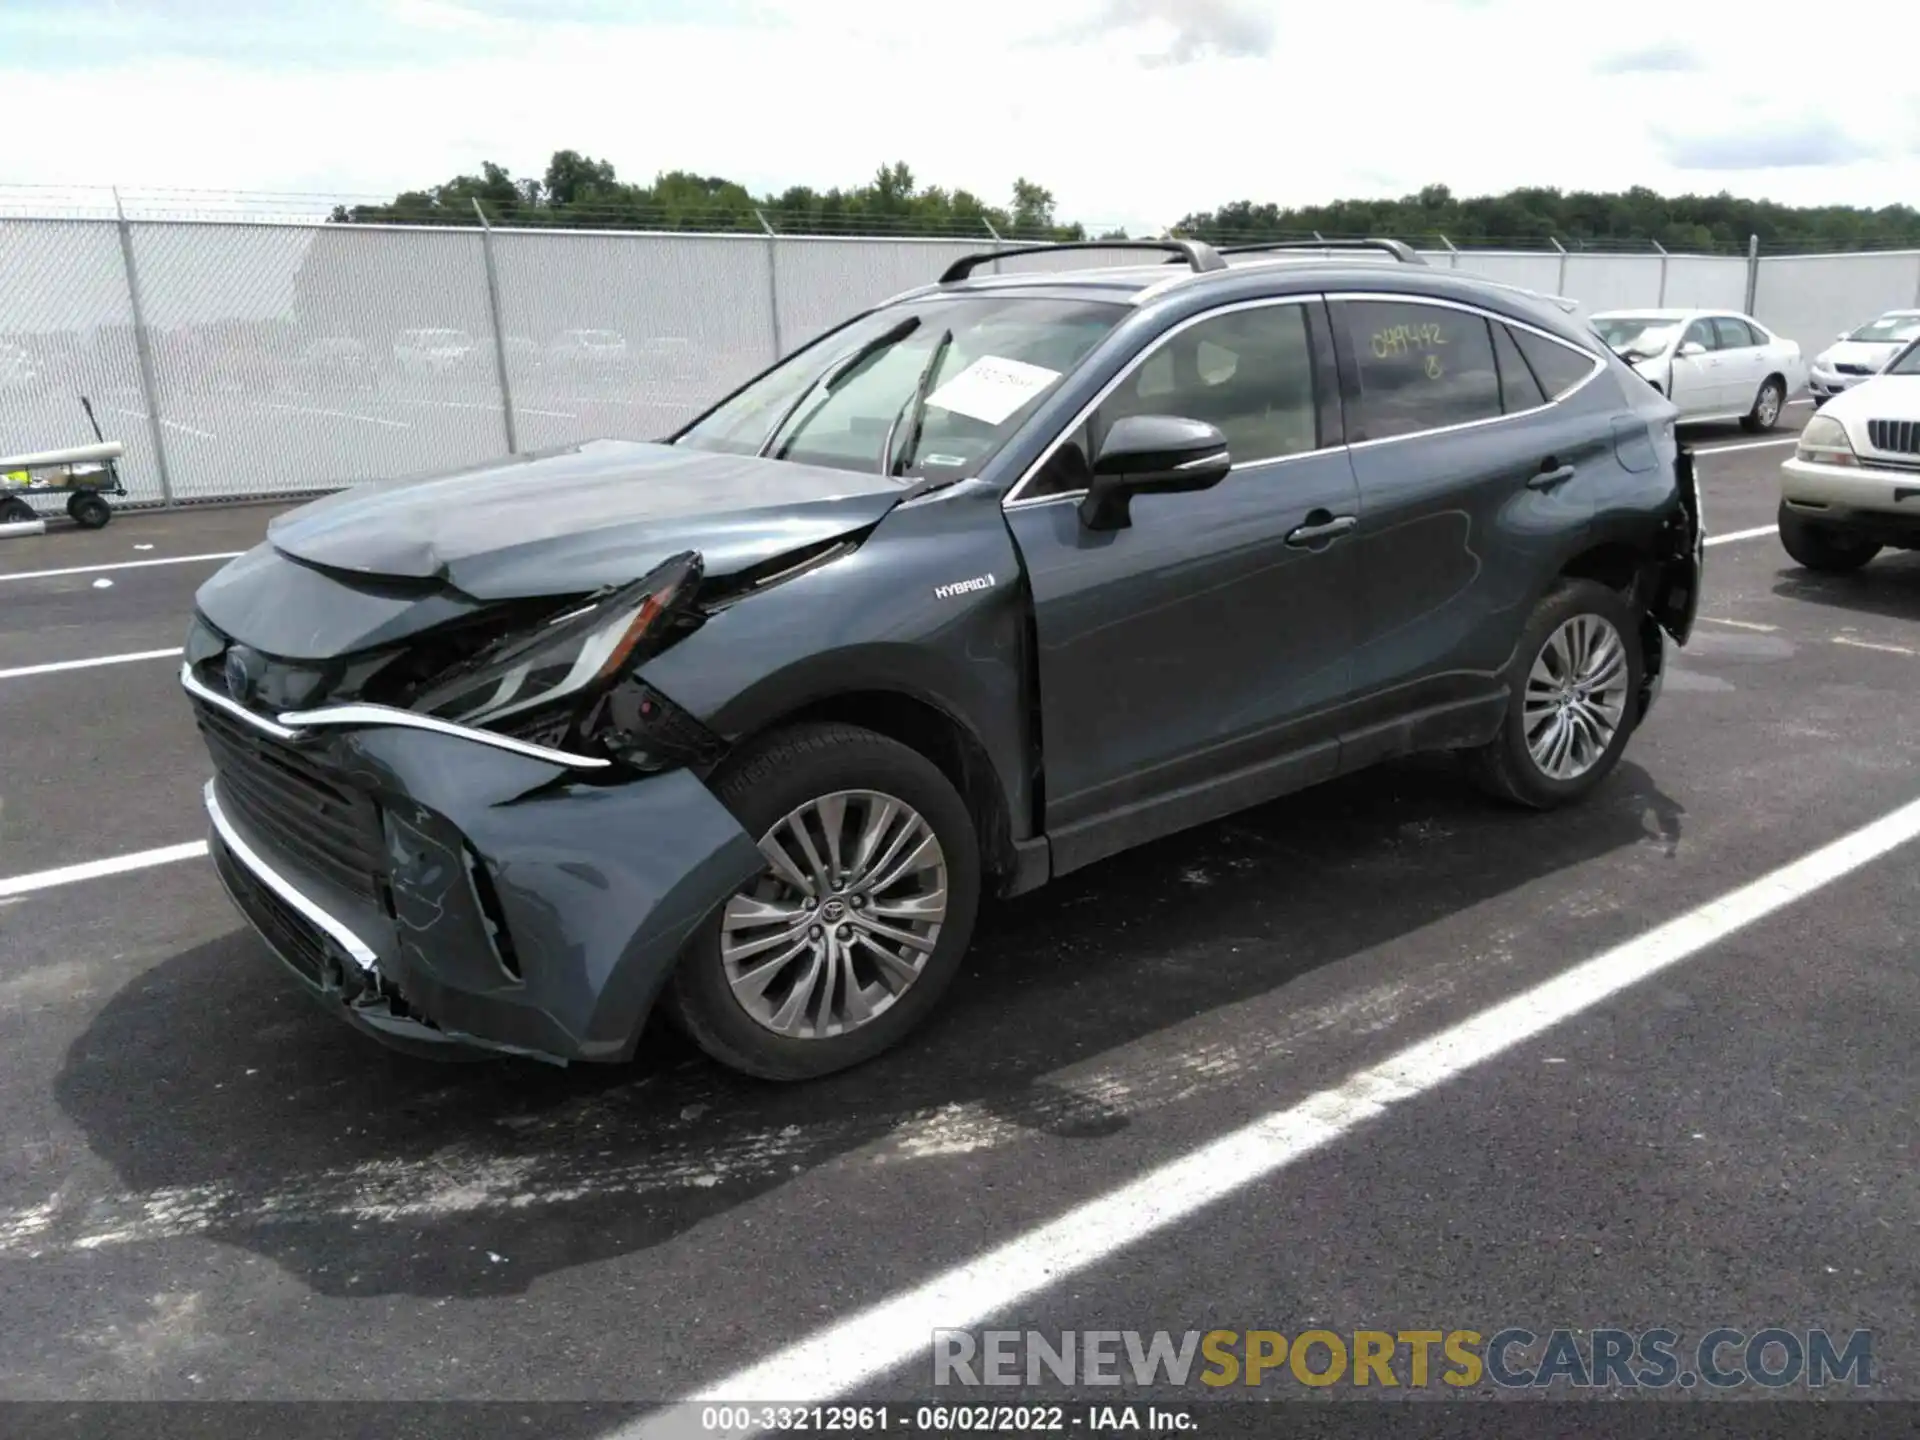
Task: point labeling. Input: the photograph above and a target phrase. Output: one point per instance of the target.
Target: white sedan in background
(1860, 353)
(1852, 487)
(1713, 364)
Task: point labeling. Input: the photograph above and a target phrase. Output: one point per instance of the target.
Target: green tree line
(577, 191)
(1579, 219)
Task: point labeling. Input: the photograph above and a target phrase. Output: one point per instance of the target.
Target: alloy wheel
(1576, 697)
(844, 920)
(1769, 406)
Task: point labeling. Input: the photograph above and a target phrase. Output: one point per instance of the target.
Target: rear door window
(1420, 367)
(1733, 334)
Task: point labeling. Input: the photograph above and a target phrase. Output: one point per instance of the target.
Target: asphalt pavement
(211, 1190)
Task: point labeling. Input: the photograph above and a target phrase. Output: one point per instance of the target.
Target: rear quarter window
(1558, 368)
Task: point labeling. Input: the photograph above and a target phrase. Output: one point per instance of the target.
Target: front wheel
(858, 924)
(1572, 699)
(89, 511)
(1822, 547)
(1767, 405)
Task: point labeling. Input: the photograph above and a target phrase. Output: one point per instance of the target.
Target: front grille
(1851, 369)
(293, 807)
(1897, 437)
(293, 937)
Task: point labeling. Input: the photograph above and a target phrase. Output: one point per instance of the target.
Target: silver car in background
(1857, 354)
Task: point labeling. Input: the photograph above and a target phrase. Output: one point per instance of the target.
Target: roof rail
(1399, 249)
(1198, 255)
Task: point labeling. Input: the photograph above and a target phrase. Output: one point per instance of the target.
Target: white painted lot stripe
(1740, 624)
(122, 565)
(832, 1362)
(1733, 535)
(95, 869)
(1748, 445)
(342, 415)
(1871, 645)
(22, 671)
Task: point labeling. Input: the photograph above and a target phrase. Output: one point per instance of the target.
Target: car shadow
(230, 1107)
(1888, 586)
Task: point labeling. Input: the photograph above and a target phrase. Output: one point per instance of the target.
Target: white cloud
(1132, 111)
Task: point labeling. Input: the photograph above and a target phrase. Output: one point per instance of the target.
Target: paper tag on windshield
(992, 388)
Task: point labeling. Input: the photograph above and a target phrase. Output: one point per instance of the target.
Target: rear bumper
(513, 909)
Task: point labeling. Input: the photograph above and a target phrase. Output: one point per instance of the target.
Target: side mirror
(1151, 454)
(1690, 349)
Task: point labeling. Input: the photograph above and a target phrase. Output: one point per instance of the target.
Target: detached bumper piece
(447, 895)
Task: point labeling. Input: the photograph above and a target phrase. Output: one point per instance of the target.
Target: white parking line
(170, 424)
(1733, 535)
(94, 869)
(833, 1361)
(1748, 445)
(21, 672)
(121, 565)
(1871, 645)
(1740, 624)
(341, 415)
(1803, 400)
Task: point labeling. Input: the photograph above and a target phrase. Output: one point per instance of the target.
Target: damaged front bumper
(446, 894)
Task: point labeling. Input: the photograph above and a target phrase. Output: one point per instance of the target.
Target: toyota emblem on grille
(240, 676)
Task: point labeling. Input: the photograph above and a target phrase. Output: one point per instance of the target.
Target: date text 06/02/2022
(944, 1419)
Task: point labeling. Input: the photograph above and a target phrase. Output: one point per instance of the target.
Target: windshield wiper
(833, 375)
(914, 412)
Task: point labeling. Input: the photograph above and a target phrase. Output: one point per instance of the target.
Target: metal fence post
(1661, 302)
(996, 239)
(773, 282)
(499, 330)
(1560, 285)
(1753, 271)
(1916, 282)
(1453, 255)
(143, 353)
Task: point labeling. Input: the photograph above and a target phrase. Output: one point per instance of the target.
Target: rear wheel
(1825, 548)
(14, 510)
(89, 511)
(860, 921)
(1765, 413)
(1571, 704)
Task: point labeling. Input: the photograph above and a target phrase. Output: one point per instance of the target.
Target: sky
(1133, 112)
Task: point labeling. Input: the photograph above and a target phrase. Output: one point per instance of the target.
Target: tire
(1767, 405)
(1507, 767)
(1820, 547)
(14, 510)
(776, 779)
(89, 511)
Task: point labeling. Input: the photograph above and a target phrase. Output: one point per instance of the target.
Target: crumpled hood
(1871, 353)
(599, 513)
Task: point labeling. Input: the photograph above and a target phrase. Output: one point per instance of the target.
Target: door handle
(1548, 479)
(1332, 529)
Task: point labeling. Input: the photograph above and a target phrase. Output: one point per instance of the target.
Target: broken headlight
(542, 681)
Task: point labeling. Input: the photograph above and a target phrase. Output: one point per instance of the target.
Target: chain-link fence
(240, 358)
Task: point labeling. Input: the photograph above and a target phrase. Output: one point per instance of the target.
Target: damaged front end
(484, 839)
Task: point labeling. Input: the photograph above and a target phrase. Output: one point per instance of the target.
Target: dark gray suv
(999, 578)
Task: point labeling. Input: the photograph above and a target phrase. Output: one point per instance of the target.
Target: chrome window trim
(361, 953)
(360, 714)
(1015, 500)
(293, 724)
(193, 687)
(1599, 364)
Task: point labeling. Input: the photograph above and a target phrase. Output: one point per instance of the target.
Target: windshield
(1889, 330)
(1644, 335)
(1907, 362)
(992, 358)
